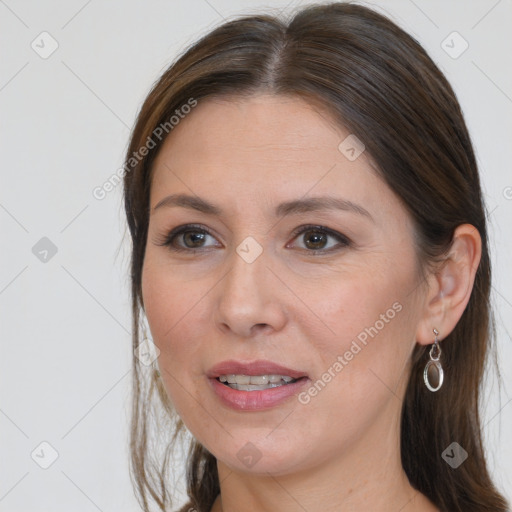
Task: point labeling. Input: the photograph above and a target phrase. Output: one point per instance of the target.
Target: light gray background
(65, 323)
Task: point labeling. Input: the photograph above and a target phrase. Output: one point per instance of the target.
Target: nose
(250, 300)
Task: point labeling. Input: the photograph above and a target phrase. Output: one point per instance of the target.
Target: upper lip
(258, 367)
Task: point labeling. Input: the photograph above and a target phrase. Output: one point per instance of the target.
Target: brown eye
(193, 239)
(315, 239)
(189, 238)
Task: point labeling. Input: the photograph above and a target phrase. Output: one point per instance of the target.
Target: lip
(259, 367)
(255, 400)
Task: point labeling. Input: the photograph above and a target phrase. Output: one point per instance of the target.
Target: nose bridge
(245, 298)
(245, 278)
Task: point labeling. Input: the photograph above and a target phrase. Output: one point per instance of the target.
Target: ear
(450, 285)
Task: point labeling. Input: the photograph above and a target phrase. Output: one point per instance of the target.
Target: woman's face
(290, 258)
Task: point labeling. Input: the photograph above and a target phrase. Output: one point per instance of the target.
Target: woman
(310, 251)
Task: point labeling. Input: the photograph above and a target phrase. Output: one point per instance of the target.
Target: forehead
(259, 148)
(250, 133)
(257, 123)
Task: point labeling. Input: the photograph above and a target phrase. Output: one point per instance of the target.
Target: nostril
(261, 327)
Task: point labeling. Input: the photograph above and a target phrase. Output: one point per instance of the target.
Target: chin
(258, 457)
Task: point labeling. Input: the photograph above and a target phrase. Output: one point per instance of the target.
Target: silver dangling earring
(433, 367)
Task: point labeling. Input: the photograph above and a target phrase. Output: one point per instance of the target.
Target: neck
(292, 493)
(368, 476)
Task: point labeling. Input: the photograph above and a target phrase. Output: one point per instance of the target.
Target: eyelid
(342, 239)
(167, 238)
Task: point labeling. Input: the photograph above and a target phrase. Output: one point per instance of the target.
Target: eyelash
(169, 239)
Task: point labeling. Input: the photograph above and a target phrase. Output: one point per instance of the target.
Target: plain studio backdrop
(73, 76)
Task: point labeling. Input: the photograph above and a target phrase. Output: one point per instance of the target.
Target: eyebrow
(297, 206)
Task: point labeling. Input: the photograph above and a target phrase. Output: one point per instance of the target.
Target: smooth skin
(301, 303)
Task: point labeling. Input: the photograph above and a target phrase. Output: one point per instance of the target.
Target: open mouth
(255, 382)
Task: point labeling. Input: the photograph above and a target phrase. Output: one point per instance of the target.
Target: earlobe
(451, 285)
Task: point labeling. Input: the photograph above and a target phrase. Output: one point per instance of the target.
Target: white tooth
(259, 380)
(255, 382)
(253, 387)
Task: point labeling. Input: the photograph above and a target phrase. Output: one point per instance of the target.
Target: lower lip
(256, 400)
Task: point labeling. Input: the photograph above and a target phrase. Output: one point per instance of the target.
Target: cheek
(363, 365)
(367, 325)
(174, 312)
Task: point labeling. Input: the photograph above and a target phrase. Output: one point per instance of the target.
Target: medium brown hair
(380, 84)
